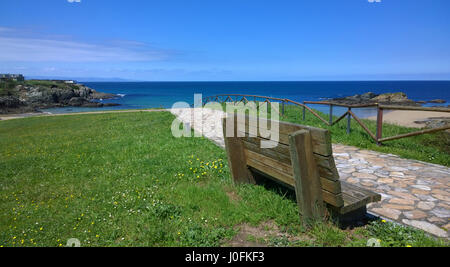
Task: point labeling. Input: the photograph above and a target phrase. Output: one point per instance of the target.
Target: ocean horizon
(142, 95)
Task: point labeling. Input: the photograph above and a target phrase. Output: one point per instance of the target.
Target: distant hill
(79, 79)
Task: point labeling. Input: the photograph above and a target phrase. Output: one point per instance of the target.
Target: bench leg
(236, 159)
(307, 180)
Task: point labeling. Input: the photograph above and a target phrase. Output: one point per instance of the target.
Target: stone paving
(413, 193)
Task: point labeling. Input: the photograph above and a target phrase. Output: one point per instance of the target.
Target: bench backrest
(303, 159)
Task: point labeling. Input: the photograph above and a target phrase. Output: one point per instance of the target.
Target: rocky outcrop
(438, 101)
(371, 98)
(33, 95)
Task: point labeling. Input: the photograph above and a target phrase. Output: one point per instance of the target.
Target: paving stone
(387, 212)
(401, 201)
(384, 196)
(397, 169)
(440, 192)
(435, 220)
(419, 191)
(349, 171)
(364, 175)
(397, 174)
(426, 205)
(383, 188)
(421, 187)
(353, 180)
(447, 226)
(366, 171)
(346, 155)
(415, 214)
(367, 184)
(386, 180)
(441, 197)
(444, 205)
(441, 213)
(426, 197)
(399, 207)
(426, 226)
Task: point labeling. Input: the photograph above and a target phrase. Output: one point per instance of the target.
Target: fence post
(349, 121)
(379, 125)
(331, 114)
(282, 108)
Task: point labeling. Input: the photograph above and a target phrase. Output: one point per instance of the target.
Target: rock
(368, 96)
(77, 101)
(29, 96)
(428, 227)
(371, 98)
(92, 105)
(10, 102)
(391, 97)
(436, 122)
(438, 101)
(110, 104)
(99, 95)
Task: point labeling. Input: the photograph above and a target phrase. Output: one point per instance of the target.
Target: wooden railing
(377, 136)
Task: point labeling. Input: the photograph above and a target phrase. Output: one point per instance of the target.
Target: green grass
(123, 180)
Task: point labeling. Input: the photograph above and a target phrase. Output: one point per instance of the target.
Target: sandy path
(408, 118)
(26, 115)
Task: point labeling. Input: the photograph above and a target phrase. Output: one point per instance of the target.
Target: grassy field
(123, 180)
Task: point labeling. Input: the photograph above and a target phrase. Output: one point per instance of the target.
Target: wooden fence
(377, 136)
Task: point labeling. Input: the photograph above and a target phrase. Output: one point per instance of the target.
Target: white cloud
(23, 49)
(4, 29)
(74, 1)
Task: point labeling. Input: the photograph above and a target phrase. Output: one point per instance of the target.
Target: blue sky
(204, 40)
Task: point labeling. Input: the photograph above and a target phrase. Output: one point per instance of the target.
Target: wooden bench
(302, 160)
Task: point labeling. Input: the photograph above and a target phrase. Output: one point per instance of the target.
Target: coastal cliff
(30, 96)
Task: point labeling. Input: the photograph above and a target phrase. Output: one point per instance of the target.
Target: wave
(121, 95)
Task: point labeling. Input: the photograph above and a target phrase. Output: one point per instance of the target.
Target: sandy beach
(409, 118)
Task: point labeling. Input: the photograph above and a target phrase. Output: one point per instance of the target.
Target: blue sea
(139, 95)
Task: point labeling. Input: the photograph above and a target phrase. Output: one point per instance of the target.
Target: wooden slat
(333, 187)
(332, 199)
(356, 197)
(279, 175)
(284, 171)
(326, 165)
(321, 138)
(278, 153)
(282, 167)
